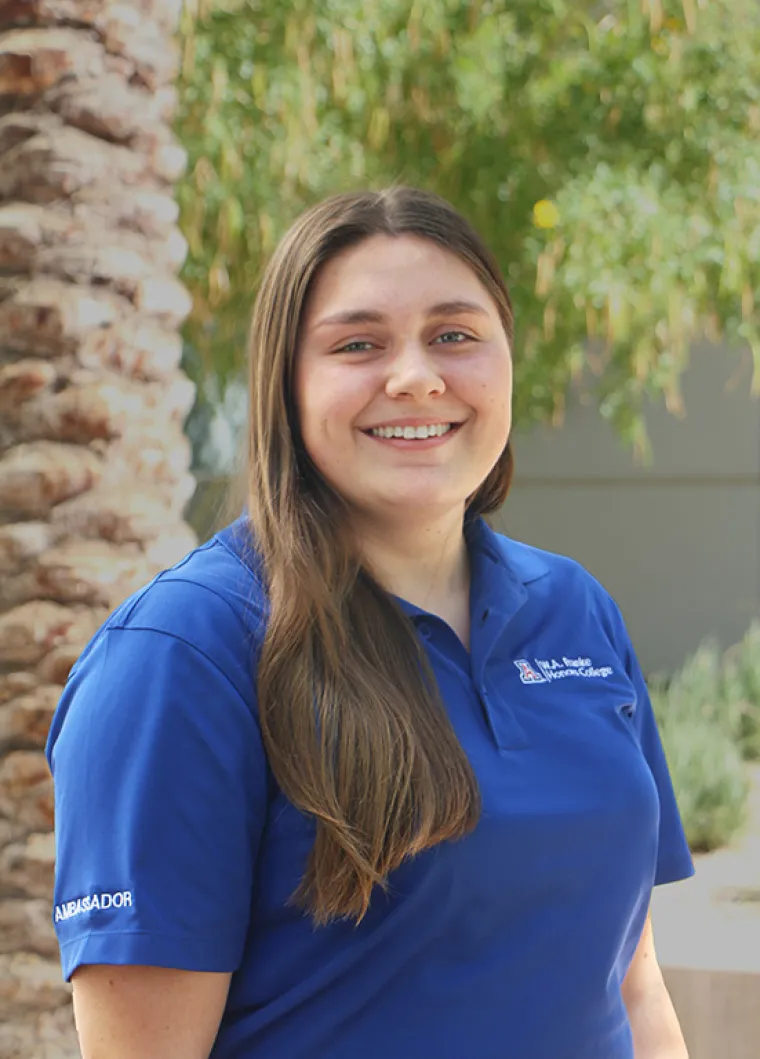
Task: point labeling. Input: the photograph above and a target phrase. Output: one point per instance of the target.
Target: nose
(414, 373)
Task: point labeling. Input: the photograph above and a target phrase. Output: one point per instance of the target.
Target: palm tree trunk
(93, 461)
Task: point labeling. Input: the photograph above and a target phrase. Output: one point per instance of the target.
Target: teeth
(412, 433)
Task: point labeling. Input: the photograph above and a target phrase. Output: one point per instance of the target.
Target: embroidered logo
(528, 675)
(543, 670)
(120, 899)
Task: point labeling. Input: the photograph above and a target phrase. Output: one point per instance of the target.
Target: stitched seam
(192, 646)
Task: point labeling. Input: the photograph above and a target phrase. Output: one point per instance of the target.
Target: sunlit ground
(712, 921)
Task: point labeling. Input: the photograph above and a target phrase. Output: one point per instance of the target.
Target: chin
(414, 503)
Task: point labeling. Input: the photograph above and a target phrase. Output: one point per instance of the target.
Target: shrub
(741, 688)
(709, 719)
(700, 690)
(705, 762)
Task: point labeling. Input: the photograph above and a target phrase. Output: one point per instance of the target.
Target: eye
(453, 338)
(355, 347)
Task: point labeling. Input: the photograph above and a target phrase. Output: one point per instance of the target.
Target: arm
(147, 1012)
(161, 793)
(656, 1032)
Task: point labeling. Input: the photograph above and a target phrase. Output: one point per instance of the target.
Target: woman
(361, 776)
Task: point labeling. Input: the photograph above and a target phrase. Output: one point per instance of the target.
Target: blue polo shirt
(175, 847)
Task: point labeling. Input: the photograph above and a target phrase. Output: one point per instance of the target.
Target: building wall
(677, 543)
(718, 1011)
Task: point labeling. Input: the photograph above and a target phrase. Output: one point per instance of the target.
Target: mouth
(411, 432)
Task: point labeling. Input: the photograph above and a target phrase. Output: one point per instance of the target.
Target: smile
(411, 433)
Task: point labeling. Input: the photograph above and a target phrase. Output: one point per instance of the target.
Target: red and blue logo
(529, 675)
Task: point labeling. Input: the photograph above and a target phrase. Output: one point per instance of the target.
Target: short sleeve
(674, 859)
(160, 799)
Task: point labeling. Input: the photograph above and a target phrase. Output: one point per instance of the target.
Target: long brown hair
(350, 713)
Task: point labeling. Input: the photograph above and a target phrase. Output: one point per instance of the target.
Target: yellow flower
(545, 214)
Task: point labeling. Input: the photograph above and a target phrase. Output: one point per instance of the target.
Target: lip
(412, 421)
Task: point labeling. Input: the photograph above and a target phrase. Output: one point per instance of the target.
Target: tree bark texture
(94, 464)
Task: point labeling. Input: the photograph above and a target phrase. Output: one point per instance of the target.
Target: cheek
(328, 403)
(502, 378)
(499, 418)
(487, 385)
(494, 401)
(312, 391)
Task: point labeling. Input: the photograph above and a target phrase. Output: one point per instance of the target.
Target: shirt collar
(526, 564)
(498, 564)
(520, 563)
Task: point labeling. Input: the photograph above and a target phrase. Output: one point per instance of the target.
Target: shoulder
(555, 577)
(212, 601)
(182, 651)
(533, 564)
(210, 591)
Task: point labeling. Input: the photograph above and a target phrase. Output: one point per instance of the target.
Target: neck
(424, 562)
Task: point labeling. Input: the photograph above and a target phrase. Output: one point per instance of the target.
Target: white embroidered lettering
(544, 670)
(92, 903)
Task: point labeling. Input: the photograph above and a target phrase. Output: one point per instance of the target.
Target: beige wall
(719, 1012)
(678, 542)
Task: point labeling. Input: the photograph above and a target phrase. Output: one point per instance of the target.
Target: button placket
(506, 730)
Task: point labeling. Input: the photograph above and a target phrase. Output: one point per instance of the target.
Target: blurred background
(152, 153)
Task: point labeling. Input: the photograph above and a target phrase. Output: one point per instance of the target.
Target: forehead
(386, 272)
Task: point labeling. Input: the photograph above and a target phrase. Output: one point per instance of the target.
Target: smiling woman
(371, 381)
(377, 780)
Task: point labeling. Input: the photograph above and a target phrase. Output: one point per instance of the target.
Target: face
(403, 379)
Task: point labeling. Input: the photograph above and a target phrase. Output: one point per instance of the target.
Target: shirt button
(424, 630)
(484, 615)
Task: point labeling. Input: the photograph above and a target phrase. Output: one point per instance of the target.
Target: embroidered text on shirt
(546, 669)
(120, 899)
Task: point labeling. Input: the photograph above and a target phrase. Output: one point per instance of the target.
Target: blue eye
(453, 338)
(355, 347)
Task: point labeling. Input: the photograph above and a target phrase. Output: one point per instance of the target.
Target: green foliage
(698, 691)
(708, 775)
(633, 124)
(709, 719)
(698, 730)
(741, 689)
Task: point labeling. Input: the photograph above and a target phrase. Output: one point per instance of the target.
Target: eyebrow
(372, 316)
